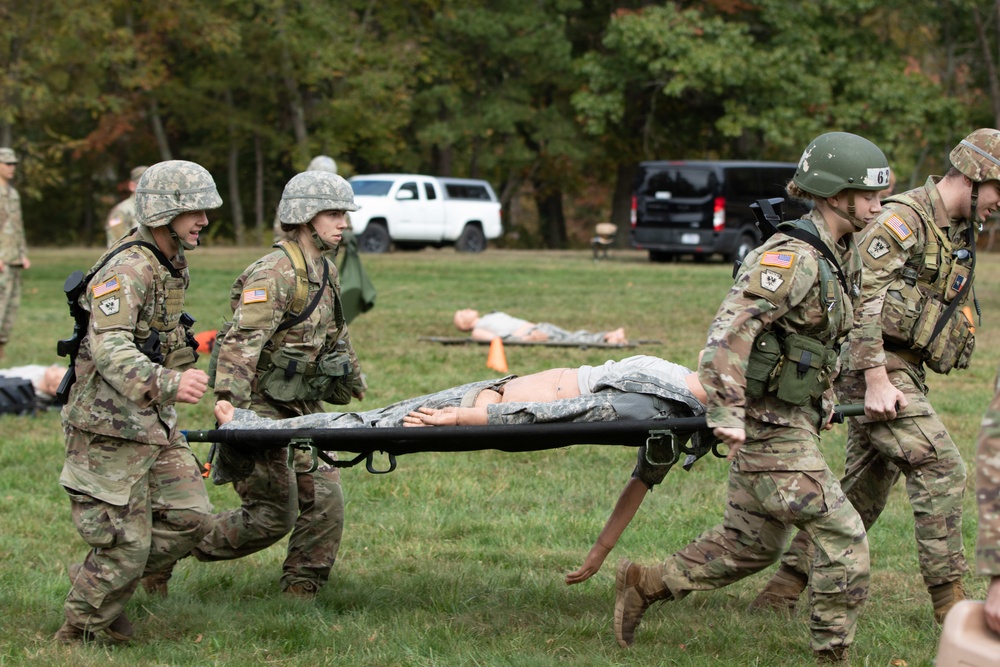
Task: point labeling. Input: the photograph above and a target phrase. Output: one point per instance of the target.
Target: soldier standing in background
(121, 219)
(792, 305)
(13, 250)
(988, 498)
(287, 352)
(919, 257)
(137, 496)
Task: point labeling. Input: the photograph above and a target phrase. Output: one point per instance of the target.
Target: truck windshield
(371, 188)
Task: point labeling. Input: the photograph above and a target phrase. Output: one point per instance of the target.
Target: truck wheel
(471, 240)
(375, 239)
(746, 243)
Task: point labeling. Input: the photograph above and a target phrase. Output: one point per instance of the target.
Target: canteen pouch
(764, 359)
(213, 359)
(952, 348)
(332, 381)
(803, 375)
(285, 379)
(900, 312)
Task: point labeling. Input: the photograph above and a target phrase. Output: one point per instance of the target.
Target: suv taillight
(718, 213)
(632, 213)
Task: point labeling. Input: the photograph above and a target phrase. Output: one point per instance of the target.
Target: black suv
(702, 207)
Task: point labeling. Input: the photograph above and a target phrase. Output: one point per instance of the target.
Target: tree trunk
(551, 217)
(234, 175)
(258, 190)
(991, 70)
(161, 135)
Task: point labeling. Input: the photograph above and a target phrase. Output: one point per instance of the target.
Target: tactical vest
(920, 317)
(794, 367)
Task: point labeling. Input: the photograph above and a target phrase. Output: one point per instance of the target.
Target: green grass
(458, 559)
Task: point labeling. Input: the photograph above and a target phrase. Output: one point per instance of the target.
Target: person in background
(13, 249)
(919, 257)
(767, 368)
(988, 500)
(135, 488)
(121, 219)
(44, 379)
(508, 328)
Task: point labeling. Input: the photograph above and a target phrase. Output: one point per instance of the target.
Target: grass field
(458, 559)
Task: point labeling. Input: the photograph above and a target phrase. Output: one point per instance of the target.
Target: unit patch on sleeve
(110, 306)
(771, 279)
(896, 225)
(878, 248)
(255, 295)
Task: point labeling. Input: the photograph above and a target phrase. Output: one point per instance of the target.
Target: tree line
(552, 101)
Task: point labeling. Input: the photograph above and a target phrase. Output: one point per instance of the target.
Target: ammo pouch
(805, 372)
(213, 359)
(952, 347)
(900, 312)
(290, 376)
(181, 359)
(764, 359)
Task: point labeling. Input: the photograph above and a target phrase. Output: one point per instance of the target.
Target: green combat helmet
(313, 192)
(323, 163)
(838, 161)
(978, 156)
(8, 156)
(168, 189)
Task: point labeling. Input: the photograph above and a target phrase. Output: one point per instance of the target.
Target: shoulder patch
(897, 226)
(770, 281)
(113, 284)
(878, 247)
(255, 295)
(782, 260)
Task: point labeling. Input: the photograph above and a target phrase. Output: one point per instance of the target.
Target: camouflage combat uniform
(916, 442)
(121, 220)
(276, 500)
(12, 252)
(779, 479)
(988, 489)
(137, 496)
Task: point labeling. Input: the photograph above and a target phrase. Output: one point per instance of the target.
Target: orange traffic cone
(497, 359)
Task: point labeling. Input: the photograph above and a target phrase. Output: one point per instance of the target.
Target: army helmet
(838, 161)
(168, 189)
(323, 163)
(313, 192)
(978, 155)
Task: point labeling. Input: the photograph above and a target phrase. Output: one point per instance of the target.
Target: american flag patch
(782, 260)
(107, 287)
(898, 227)
(258, 295)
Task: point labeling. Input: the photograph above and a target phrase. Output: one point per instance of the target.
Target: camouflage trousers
(10, 300)
(918, 446)
(276, 500)
(139, 506)
(762, 506)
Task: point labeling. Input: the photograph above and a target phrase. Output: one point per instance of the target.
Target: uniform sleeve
(885, 248)
(988, 491)
(116, 298)
(259, 299)
(777, 280)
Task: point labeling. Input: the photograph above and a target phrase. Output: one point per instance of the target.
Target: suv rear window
(467, 191)
(371, 188)
(682, 182)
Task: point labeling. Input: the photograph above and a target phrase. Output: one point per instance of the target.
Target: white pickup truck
(413, 211)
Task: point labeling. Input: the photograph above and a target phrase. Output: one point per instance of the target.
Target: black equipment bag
(17, 396)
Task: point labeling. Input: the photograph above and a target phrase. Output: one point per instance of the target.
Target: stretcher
(465, 340)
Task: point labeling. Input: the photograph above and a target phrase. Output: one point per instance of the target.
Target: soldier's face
(188, 225)
(7, 170)
(330, 226)
(989, 199)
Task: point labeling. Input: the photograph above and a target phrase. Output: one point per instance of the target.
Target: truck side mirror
(404, 194)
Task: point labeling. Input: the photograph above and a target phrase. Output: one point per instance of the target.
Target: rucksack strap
(298, 260)
(145, 244)
(817, 242)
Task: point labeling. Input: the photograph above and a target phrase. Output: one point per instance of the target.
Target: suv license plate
(691, 239)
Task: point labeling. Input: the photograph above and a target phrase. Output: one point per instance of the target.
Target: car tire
(375, 239)
(471, 240)
(746, 243)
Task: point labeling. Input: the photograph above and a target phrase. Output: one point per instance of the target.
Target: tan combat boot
(70, 634)
(120, 630)
(781, 592)
(306, 591)
(156, 584)
(636, 587)
(944, 597)
(832, 656)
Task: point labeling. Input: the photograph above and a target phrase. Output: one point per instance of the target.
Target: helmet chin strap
(973, 213)
(850, 216)
(182, 245)
(320, 244)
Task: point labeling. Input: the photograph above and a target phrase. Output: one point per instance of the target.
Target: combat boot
(156, 584)
(305, 591)
(944, 597)
(832, 656)
(120, 630)
(636, 587)
(70, 634)
(781, 592)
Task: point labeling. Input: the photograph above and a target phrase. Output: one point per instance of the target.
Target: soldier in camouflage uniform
(282, 364)
(318, 163)
(988, 497)
(136, 492)
(918, 256)
(767, 367)
(121, 219)
(13, 251)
